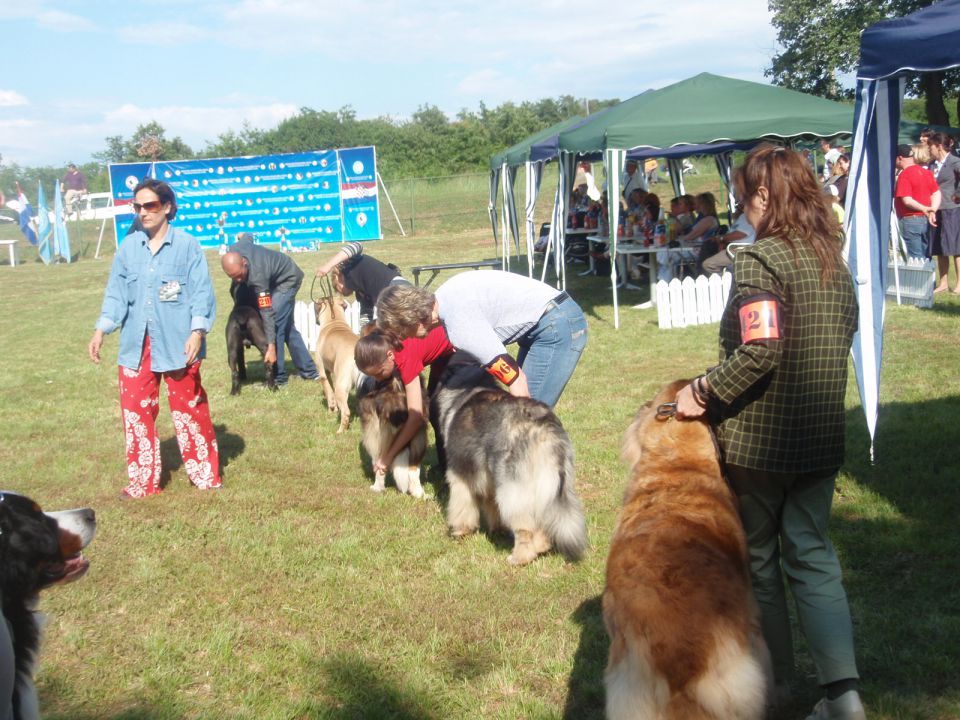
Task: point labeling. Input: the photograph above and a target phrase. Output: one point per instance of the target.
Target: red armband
(760, 319)
(504, 368)
(264, 300)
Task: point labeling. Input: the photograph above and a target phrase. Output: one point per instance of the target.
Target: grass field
(295, 592)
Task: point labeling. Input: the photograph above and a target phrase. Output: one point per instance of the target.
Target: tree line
(429, 143)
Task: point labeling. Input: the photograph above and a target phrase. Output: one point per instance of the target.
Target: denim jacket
(167, 295)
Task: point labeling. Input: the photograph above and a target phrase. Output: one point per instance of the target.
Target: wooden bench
(435, 269)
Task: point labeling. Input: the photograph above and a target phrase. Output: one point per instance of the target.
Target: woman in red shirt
(380, 354)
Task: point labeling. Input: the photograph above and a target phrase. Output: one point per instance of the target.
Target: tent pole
(396, 217)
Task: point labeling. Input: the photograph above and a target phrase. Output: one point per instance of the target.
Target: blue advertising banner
(296, 200)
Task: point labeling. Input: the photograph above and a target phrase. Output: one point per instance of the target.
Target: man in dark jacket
(275, 279)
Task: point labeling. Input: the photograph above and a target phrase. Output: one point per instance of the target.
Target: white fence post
(305, 320)
(692, 302)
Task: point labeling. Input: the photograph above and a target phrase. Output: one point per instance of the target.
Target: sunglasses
(151, 206)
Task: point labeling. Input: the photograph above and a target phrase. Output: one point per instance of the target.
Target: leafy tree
(819, 43)
(427, 143)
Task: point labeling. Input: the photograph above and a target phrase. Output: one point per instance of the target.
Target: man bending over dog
(483, 312)
(275, 278)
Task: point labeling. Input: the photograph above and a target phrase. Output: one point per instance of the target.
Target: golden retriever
(685, 640)
(335, 361)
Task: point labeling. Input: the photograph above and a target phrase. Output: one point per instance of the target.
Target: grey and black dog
(509, 457)
(245, 328)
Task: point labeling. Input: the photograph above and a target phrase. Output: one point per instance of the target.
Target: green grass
(295, 592)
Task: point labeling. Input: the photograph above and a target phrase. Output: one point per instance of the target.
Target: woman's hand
(688, 406)
(93, 347)
(191, 348)
(381, 465)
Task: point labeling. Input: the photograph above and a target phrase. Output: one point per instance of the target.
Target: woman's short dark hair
(162, 190)
(940, 138)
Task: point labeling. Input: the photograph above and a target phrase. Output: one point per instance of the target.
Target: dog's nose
(88, 514)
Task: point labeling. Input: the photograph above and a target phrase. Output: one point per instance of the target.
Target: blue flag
(45, 229)
(61, 239)
(26, 215)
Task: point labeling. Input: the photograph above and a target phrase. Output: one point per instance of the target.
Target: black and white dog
(37, 550)
(245, 328)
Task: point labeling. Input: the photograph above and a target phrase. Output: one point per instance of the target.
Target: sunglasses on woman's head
(150, 206)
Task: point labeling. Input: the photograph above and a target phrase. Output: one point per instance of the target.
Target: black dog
(37, 550)
(245, 328)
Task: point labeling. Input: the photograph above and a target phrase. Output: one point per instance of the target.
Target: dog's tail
(563, 517)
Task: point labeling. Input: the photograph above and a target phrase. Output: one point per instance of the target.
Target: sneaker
(845, 707)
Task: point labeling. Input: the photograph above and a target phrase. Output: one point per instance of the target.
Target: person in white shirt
(830, 156)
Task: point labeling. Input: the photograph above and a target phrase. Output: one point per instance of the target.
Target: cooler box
(916, 283)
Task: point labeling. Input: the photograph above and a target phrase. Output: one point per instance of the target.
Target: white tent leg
(390, 202)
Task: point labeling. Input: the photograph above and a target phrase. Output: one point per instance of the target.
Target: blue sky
(79, 71)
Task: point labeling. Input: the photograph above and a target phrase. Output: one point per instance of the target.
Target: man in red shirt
(916, 199)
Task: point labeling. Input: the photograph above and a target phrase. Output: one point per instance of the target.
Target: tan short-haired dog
(335, 361)
(685, 640)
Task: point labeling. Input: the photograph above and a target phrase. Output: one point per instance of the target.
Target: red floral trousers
(140, 404)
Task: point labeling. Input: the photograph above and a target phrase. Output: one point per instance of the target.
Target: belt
(556, 301)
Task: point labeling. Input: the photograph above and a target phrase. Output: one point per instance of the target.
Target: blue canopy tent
(925, 41)
(503, 172)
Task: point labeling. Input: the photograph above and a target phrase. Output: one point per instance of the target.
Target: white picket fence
(305, 320)
(692, 302)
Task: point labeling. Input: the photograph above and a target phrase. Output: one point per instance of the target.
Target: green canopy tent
(503, 174)
(704, 109)
(910, 131)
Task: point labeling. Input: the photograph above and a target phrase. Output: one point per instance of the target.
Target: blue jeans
(916, 234)
(287, 333)
(549, 352)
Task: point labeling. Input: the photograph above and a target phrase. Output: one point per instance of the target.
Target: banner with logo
(296, 200)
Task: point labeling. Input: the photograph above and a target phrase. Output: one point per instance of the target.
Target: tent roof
(910, 131)
(925, 40)
(706, 109)
(520, 153)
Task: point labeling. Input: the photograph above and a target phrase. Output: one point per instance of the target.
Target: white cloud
(11, 98)
(43, 141)
(196, 124)
(63, 22)
(162, 34)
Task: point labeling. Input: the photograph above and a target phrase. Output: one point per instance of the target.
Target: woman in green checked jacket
(778, 397)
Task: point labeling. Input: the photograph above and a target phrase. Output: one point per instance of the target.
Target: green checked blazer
(781, 402)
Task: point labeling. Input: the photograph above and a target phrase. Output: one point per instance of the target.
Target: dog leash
(325, 285)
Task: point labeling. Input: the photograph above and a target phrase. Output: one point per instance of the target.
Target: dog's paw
(460, 532)
(521, 557)
(416, 490)
(378, 485)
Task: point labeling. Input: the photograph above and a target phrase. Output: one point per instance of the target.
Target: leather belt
(556, 301)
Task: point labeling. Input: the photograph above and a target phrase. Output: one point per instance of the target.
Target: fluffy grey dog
(509, 457)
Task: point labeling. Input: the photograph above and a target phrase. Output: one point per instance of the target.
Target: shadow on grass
(231, 446)
(948, 309)
(355, 688)
(585, 693)
(900, 550)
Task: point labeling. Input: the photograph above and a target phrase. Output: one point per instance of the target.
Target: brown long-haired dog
(685, 641)
(335, 346)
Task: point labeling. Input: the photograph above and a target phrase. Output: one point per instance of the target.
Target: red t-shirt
(916, 182)
(417, 353)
